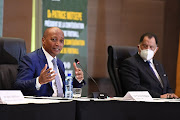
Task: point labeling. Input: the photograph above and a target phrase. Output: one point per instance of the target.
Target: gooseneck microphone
(94, 94)
(77, 61)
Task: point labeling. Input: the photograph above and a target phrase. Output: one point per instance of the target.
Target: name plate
(11, 97)
(138, 96)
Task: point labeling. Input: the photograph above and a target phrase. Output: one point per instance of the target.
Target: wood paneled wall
(122, 22)
(171, 39)
(17, 20)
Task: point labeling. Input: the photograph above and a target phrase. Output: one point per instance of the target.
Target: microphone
(94, 94)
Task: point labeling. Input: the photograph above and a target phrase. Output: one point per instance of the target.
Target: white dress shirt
(155, 71)
(50, 64)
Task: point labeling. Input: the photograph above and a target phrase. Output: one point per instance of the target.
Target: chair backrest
(11, 51)
(116, 54)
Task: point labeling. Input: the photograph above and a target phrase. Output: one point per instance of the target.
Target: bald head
(53, 40)
(51, 29)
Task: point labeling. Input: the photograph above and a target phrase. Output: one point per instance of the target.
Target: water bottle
(69, 86)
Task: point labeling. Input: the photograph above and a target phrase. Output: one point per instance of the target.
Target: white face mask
(146, 54)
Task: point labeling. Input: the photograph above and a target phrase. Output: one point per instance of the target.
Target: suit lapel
(147, 69)
(150, 72)
(61, 71)
(60, 67)
(159, 71)
(42, 58)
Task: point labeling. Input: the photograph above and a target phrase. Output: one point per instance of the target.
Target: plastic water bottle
(69, 86)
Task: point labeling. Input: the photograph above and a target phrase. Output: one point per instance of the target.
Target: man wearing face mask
(142, 73)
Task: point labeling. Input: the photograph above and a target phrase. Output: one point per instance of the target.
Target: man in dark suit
(36, 76)
(142, 73)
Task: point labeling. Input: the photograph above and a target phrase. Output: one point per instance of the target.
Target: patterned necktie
(149, 63)
(57, 79)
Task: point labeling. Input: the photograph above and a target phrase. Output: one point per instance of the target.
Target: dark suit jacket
(136, 75)
(30, 68)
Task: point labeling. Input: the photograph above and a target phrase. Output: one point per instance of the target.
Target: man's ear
(138, 48)
(43, 40)
(156, 50)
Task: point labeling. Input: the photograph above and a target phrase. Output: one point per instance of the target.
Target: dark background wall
(111, 22)
(17, 20)
(122, 22)
(171, 38)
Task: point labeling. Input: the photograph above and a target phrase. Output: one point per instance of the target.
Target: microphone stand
(99, 94)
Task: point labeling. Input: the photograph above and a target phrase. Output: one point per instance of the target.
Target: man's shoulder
(156, 62)
(32, 56)
(135, 61)
(132, 58)
(35, 53)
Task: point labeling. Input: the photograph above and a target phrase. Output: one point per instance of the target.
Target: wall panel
(17, 20)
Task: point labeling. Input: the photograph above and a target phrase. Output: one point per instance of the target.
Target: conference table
(91, 109)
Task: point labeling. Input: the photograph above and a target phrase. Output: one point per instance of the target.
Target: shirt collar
(48, 56)
(151, 60)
